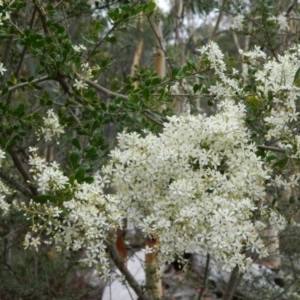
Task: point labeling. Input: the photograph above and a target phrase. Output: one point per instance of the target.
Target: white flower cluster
(2, 68)
(4, 190)
(194, 187)
(237, 22)
(51, 128)
(4, 15)
(254, 56)
(79, 47)
(225, 87)
(85, 73)
(277, 77)
(48, 177)
(282, 22)
(85, 219)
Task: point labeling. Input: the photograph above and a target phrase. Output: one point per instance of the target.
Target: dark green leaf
(74, 160)
(88, 179)
(80, 174)
(75, 143)
(91, 153)
(297, 78)
(281, 163)
(43, 198)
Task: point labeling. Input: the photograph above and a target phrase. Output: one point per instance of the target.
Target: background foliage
(41, 65)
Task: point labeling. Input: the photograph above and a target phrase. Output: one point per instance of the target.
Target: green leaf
(4, 90)
(88, 179)
(281, 163)
(134, 98)
(75, 143)
(13, 141)
(110, 39)
(85, 166)
(196, 87)
(191, 64)
(297, 78)
(151, 7)
(74, 157)
(80, 175)
(270, 96)
(146, 93)
(19, 111)
(3, 33)
(43, 198)
(91, 153)
(271, 157)
(54, 222)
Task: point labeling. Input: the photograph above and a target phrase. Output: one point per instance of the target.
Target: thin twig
(16, 74)
(22, 84)
(58, 4)
(205, 276)
(213, 34)
(6, 178)
(149, 115)
(290, 7)
(275, 149)
(43, 17)
(105, 91)
(75, 117)
(23, 171)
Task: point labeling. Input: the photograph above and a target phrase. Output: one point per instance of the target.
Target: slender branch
(43, 17)
(22, 171)
(115, 25)
(213, 34)
(285, 289)
(205, 276)
(8, 180)
(60, 78)
(290, 7)
(22, 54)
(103, 39)
(205, 40)
(275, 149)
(107, 92)
(75, 117)
(58, 4)
(232, 284)
(128, 276)
(22, 84)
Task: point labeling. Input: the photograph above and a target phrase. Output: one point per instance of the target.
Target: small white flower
(33, 149)
(51, 129)
(79, 47)
(237, 22)
(282, 22)
(2, 69)
(80, 84)
(148, 249)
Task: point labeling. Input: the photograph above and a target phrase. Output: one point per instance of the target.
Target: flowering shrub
(195, 186)
(51, 128)
(193, 183)
(83, 218)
